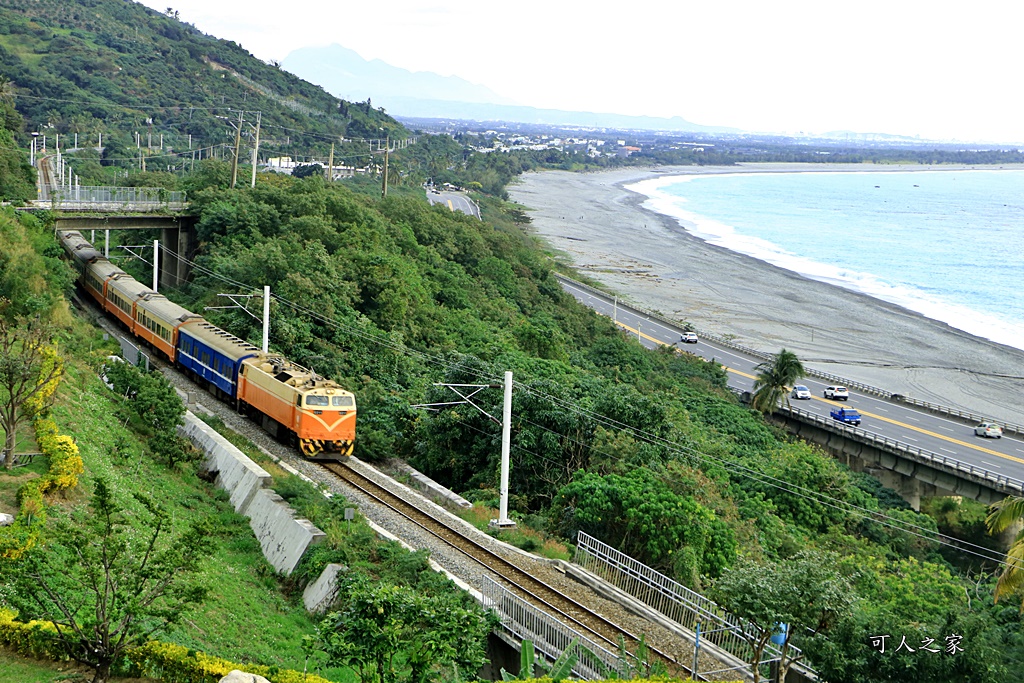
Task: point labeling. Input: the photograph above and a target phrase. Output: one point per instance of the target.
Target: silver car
(989, 430)
(801, 392)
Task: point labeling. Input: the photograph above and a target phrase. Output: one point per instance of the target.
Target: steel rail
(517, 577)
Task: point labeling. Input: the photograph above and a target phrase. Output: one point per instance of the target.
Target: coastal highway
(904, 423)
(454, 201)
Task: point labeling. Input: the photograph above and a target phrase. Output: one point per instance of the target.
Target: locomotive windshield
(343, 401)
(314, 400)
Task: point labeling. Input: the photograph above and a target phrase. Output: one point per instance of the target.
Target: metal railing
(677, 602)
(549, 636)
(84, 196)
(999, 482)
(859, 386)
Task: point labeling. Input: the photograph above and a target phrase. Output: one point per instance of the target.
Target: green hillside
(646, 450)
(116, 68)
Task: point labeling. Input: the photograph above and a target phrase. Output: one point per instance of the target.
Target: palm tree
(1002, 516)
(774, 377)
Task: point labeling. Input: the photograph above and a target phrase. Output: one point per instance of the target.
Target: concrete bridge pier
(177, 239)
(175, 248)
(907, 486)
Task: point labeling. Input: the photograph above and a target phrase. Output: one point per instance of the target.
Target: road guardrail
(964, 416)
(979, 475)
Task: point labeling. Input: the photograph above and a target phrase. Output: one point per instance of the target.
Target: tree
(307, 171)
(1003, 515)
(382, 625)
(29, 368)
(108, 585)
(640, 515)
(802, 593)
(774, 378)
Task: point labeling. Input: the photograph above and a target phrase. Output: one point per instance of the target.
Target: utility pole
(330, 165)
(506, 440)
(156, 263)
(387, 146)
(238, 143)
(503, 522)
(266, 318)
(256, 151)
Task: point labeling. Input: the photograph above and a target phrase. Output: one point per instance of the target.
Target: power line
(653, 439)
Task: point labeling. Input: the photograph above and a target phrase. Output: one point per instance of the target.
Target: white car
(836, 393)
(989, 429)
(689, 338)
(801, 392)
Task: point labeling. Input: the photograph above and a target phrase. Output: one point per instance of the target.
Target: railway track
(599, 629)
(579, 617)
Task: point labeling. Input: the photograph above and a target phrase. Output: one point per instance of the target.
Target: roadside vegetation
(646, 450)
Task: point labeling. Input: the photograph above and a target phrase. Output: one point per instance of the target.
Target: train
(292, 402)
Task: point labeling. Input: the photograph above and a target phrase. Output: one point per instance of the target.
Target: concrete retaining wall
(236, 473)
(432, 488)
(282, 536)
(319, 595)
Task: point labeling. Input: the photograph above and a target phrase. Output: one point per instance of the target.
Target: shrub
(177, 664)
(65, 462)
(34, 639)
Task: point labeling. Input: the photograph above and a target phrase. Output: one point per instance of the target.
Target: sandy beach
(649, 259)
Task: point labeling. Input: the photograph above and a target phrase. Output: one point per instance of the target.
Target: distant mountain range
(423, 94)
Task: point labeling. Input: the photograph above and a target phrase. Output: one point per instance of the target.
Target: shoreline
(603, 230)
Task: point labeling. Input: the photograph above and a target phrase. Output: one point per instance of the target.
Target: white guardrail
(1000, 482)
(686, 607)
(550, 637)
(99, 197)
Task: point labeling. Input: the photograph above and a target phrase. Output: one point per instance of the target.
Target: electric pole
(238, 144)
(256, 148)
(330, 165)
(387, 147)
(503, 522)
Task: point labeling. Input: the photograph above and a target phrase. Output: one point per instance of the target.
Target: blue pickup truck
(846, 416)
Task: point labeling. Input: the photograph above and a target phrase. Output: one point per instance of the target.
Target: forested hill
(111, 66)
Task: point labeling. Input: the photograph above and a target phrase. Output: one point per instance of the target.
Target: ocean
(948, 244)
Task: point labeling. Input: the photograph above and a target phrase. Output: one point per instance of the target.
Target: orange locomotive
(317, 410)
(290, 399)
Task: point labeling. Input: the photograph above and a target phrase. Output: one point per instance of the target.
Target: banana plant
(560, 670)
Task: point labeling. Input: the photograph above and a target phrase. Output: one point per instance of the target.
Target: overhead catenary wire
(735, 467)
(768, 479)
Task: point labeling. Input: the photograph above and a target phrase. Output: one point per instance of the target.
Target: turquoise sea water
(946, 244)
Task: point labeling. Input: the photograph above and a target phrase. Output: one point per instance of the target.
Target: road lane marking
(991, 464)
(950, 439)
(883, 418)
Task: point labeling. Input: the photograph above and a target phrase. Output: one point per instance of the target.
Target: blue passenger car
(212, 355)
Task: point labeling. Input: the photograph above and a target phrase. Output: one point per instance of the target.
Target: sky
(946, 71)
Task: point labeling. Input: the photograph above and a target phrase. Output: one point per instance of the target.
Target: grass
(247, 617)
(522, 536)
(17, 669)
(11, 480)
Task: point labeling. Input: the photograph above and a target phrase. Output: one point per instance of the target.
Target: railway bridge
(92, 209)
(177, 238)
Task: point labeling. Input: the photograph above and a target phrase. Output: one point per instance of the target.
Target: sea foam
(968, 302)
